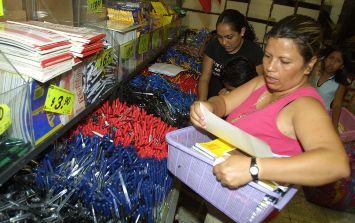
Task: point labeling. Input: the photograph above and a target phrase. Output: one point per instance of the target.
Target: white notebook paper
(235, 136)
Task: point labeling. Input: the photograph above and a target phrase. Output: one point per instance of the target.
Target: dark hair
(303, 30)
(341, 74)
(237, 71)
(237, 21)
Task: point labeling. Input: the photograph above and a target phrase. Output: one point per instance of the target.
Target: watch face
(254, 170)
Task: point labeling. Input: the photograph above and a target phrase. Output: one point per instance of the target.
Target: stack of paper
(40, 54)
(85, 41)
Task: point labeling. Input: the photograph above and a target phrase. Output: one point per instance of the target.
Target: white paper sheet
(235, 136)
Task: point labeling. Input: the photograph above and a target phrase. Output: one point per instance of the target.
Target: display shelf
(116, 27)
(41, 147)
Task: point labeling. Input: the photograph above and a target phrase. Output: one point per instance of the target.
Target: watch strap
(253, 164)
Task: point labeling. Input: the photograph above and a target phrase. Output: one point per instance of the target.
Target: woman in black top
(234, 37)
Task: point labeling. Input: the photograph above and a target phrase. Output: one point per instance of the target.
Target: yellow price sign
(105, 58)
(59, 100)
(159, 8)
(143, 43)
(1, 8)
(94, 5)
(166, 20)
(155, 39)
(5, 118)
(127, 50)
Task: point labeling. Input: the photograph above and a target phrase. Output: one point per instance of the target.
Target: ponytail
(237, 21)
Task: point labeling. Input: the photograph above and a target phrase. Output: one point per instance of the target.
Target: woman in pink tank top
(281, 109)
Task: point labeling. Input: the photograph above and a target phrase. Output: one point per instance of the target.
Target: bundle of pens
(21, 202)
(160, 97)
(128, 125)
(98, 80)
(186, 80)
(11, 150)
(181, 59)
(89, 179)
(111, 181)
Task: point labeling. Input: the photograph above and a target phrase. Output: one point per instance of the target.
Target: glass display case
(89, 80)
(16, 135)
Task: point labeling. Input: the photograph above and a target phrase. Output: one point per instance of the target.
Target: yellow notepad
(214, 148)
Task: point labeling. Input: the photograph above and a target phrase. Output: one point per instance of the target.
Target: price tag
(1, 8)
(105, 58)
(159, 8)
(59, 100)
(5, 118)
(127, 50)
(167, 19)
(94, 5)
(155, 39)
(143, 43)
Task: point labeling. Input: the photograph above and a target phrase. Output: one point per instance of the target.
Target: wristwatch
(254, 169)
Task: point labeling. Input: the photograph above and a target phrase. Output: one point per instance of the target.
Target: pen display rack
(16, 134)
(249, 203)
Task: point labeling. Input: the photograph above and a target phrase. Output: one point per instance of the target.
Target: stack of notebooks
(37, 53)
(84, 41)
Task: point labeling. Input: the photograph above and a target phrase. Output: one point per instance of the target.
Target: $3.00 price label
(5, 118)
(59, 100)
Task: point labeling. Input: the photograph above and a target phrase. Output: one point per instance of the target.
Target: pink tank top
(262, 123)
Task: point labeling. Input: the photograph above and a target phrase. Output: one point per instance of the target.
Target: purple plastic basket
(347, 119)
(195, 170)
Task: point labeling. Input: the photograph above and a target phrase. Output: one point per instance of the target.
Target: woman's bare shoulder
(307, 106)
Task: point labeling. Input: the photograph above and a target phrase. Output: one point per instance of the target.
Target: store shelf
(38, 149)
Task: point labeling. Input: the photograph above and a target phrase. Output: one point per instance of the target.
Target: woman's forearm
(218, 105)
(312, 168)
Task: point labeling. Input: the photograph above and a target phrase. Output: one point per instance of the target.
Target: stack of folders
(84, 41)
(37, 53)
